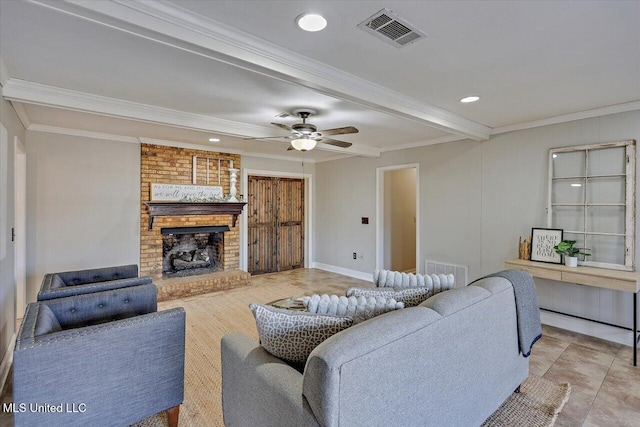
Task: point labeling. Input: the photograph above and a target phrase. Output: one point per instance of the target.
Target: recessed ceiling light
(214, 139)
(473, 98)
(311, 22)
(576, 185)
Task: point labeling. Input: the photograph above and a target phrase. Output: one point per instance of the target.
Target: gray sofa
(68, 283)
(105, 359)
(452, 361)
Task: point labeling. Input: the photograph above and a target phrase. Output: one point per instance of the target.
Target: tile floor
(605, 386)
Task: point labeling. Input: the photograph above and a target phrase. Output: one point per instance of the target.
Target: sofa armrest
(47, 291)
(105, 306)
(260, 389)
(121, 371)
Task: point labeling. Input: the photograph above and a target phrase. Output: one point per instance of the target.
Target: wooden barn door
(275, 224)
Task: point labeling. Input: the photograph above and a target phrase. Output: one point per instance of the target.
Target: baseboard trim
(7, 360)
(598, 330)
(344, 271)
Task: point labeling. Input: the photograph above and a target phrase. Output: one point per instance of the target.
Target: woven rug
(537, 405)
(211, 316)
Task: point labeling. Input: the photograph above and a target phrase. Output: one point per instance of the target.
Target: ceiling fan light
(303, 144)
(311, 22)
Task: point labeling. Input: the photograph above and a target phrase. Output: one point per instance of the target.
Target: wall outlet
(355, 256)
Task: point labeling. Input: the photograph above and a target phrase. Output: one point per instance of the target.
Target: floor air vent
(460, 272)
(389, 27)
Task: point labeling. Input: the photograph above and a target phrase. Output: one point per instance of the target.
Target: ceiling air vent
(391, 28)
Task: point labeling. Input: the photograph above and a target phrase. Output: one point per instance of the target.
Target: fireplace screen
(188, 251)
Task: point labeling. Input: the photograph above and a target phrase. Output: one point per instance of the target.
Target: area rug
(537, 405)
(211, 316)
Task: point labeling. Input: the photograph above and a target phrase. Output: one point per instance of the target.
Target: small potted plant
(570, 253)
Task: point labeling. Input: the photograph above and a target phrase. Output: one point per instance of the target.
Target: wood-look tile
(544, 353)
(561, 334)
(576, 409)
(597, 344)
(583, 368)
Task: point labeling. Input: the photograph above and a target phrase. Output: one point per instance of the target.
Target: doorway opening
(397, 230)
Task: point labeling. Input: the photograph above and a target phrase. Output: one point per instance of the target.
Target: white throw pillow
(411, 297)
(359, 308)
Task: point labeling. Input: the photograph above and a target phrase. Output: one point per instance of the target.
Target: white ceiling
(187, 70)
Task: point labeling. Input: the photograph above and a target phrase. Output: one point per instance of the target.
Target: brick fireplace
(173, 165)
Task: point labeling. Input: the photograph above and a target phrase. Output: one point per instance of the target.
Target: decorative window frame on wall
(593, 212)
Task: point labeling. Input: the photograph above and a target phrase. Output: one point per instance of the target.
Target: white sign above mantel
(178, 192)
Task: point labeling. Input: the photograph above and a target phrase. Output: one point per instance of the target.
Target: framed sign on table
(542, 242)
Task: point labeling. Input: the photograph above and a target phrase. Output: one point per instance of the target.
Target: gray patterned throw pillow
(292, 335)
(411, 297)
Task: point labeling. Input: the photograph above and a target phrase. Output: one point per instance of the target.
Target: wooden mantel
(194, 208)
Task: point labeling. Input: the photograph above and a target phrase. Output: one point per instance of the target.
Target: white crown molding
(17, 90)
(434, 141)
(204, 147)
(173, 25)
(138, 140)
(37, 93)
(587, 114)
(332, 158)
(4, 73)
(22, 114)
(82, 133)
(278, 157)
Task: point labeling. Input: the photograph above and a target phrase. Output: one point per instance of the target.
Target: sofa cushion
(447, 303)
(359, 308)
(46, 322)
(292, 335)
(409, 296)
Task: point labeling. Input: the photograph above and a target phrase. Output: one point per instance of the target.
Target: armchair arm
(260, 389)
(122, 371)
(48, 291)
(99, 307)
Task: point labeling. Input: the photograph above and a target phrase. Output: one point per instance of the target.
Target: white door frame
(380, 212)
(20, 213)
(308, 212)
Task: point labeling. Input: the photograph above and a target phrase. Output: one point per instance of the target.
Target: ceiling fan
(304, 136)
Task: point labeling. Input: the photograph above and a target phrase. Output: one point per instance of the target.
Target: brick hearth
(180, 287)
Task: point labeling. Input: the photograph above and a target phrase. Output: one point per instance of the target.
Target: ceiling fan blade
(340, 131)
(290, 148)
(335, 142)
(266, 137)
(281, 126)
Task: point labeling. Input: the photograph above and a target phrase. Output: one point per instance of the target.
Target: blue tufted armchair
(56, 285)
(106, 358)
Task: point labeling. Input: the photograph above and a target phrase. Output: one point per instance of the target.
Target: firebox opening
(188, 251)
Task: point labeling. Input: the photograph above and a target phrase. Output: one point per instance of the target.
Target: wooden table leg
(172, 415)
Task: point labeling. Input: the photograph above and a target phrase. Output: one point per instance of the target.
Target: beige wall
(10, 121)
(83, 204)
(476, 199)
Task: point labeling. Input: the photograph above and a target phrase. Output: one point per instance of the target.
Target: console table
(625, 281)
